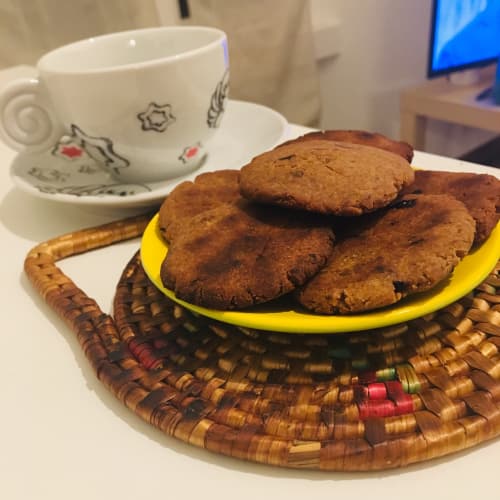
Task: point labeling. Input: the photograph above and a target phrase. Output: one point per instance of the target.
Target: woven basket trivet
(360, 401)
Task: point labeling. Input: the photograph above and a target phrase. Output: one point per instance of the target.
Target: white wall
(383, 48)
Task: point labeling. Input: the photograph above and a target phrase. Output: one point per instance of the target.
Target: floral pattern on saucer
(96, 190)
(68, 169)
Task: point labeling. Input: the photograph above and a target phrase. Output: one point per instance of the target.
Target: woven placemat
(344, 402)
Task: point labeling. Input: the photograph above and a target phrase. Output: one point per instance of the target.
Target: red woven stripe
(404, 404)
(376, 409)
(377, 390)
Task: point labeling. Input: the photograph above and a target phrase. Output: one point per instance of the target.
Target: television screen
(464, 34)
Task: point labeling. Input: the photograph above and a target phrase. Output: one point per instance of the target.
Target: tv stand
(441, 100)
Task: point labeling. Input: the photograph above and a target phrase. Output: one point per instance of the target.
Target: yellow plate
(284, 316)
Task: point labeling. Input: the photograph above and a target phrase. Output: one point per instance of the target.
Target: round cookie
(480, 193)
(406, 248)
(376, 140)
(237, 255)
(193, 197)
(329, 177)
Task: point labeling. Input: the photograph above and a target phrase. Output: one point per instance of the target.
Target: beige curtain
(271, 52)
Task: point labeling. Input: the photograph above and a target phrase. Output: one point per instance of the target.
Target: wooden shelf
(441, 100)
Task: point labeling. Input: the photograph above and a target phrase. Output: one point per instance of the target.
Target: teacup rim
(43, 64)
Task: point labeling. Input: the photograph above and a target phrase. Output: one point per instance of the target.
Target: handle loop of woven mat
(360, 401)
(82, 313)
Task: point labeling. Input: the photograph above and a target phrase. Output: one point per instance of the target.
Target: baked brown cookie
(480, 193)
(360, 137)
(408, 247)
(193, 197)
(237, 255)
(328, 177)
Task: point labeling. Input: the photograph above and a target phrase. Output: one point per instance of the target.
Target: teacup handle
(27, 120)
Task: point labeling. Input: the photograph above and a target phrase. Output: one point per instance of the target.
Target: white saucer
(71, 176)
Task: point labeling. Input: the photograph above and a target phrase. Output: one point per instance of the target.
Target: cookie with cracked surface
(374, 139)
(328, 177)
(407, 248)
(480, 193)
(190, 198)
(238, 255)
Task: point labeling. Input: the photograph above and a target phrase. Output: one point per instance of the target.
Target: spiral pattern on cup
(25, 121)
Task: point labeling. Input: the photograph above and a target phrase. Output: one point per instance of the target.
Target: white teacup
(142, 103)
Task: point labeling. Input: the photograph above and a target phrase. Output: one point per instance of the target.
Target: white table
(64, 436)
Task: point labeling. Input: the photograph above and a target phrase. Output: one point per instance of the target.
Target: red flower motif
(71, 151)
(193, 151)
(190, 152)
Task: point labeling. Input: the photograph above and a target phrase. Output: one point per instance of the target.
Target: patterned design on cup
(190, 153)
(68, 150)
(157, 117)
(218, 102)
(99, 149)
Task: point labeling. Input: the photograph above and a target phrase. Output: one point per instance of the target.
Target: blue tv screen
(464, 34)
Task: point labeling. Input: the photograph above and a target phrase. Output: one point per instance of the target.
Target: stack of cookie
(338, 221)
